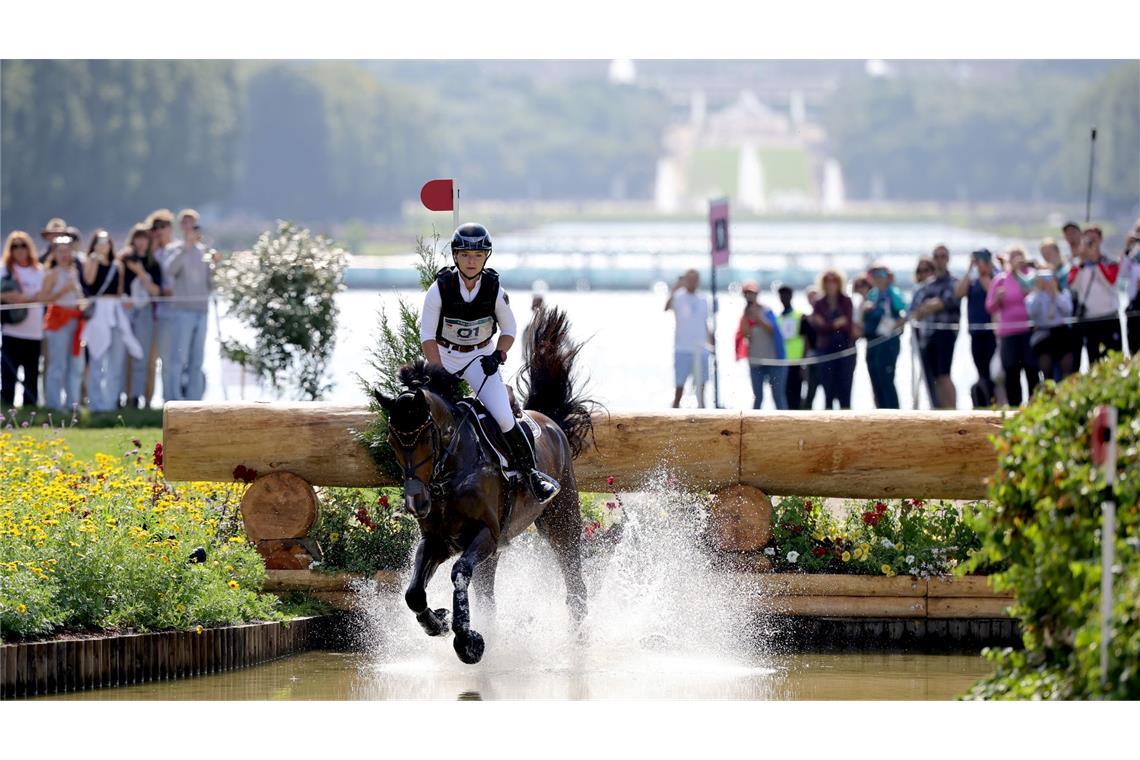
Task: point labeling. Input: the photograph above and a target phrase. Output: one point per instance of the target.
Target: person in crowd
(63, 329)
(190, 271)
(935, 309)
(1130, 268)
(812, 369)
(1051, 254)
(834, 324)
(188, 219)
(22, 330)
(762, 343)
(160, 223)
(103, 282)
(142, 282)
(1093, 285)
(1049, 305)
(860, 287)
(692, 337)
(884, 312)
(1005, 301)
(793, 328)
(974, 287)
(1072, 234)
(56, 227)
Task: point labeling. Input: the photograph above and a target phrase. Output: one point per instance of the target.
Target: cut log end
(741, 519)
(278, 506)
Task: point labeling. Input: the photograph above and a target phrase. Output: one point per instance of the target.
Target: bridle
(436, 487)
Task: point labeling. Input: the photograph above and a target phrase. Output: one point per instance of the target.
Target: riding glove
(491, 362)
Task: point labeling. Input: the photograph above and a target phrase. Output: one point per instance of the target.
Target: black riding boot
(541, 485)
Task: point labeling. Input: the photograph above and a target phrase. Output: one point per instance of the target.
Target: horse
(463, 501)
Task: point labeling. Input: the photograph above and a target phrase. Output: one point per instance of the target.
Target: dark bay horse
(454, 487)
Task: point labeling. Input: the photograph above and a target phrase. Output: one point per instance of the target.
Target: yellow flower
(198, 630)
(846, 556)
(334, 537)
(886, 569)
(237, 540)
(21, 609)
(233, 585)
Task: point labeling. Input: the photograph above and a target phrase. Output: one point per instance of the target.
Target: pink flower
(611, 505)
(610, 480)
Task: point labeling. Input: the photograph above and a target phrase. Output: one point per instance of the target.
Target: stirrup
(534, 478)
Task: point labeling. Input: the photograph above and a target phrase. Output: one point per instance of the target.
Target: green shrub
(1045, 523)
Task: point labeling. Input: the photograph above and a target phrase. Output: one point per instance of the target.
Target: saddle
(488, 431)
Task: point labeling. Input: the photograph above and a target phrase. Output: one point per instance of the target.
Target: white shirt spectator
(692, 313)
(30, 280)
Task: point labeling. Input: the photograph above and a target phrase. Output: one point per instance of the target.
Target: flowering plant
(113, 545)
(872, 537)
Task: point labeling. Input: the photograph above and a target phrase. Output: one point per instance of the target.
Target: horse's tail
(548, 378)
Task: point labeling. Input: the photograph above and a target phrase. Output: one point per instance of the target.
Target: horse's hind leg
(484, 581)
(561, 524)
(429, 556)
(468, 644)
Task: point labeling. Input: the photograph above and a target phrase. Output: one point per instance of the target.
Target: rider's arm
(507, 325)
(429, 320)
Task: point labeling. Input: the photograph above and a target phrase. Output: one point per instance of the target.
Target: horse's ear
(384, 402)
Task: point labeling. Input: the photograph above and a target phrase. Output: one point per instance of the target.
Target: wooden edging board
(37, 668)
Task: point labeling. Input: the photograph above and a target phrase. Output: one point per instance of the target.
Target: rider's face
(471, 262)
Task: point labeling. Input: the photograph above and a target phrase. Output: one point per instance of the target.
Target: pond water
(352, 676)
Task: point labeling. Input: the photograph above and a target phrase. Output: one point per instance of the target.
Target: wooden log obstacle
(742, 457)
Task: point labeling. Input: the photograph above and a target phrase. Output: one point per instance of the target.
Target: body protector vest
(462, 323)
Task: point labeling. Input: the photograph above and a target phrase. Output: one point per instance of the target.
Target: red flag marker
(438, 195)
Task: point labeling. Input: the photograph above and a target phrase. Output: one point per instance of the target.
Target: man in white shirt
(692, 338)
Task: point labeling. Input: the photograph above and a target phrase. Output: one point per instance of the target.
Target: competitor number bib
(467, 333)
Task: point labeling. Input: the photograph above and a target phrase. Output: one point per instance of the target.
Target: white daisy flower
(770, 551)
(793, 556)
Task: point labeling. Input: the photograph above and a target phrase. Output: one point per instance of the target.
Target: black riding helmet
(471, 236)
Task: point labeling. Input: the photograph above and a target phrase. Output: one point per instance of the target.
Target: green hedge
(1045, 522)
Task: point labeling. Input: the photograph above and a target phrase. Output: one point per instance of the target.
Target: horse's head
(415, 439)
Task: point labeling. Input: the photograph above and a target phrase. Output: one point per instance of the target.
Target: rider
(461, 312)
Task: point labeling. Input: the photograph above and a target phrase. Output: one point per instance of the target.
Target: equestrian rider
(462, 310)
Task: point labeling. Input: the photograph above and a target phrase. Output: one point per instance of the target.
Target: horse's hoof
(435, 622)
(469, 646)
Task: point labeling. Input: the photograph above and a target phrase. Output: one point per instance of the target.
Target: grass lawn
(785, 170)
(110, 432)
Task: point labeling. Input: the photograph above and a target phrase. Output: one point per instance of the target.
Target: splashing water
(662, 621)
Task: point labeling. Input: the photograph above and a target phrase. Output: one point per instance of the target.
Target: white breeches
(494, 393)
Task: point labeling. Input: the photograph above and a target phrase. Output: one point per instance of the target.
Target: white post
(455, 207)
(1107, 539)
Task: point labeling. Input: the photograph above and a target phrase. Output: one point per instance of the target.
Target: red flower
(871, 518)
(363, 518)
(807, 506)
(797, 529)
(610, 480)
(880, 507)
(158, 455)
(818, 552)
(590, 531)
(611, 505)
(383, 500)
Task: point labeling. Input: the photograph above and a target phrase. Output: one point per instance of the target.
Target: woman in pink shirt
(1005, 301)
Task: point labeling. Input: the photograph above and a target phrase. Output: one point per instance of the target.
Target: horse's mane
(432, 377)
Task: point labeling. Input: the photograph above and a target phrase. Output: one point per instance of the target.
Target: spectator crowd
(100, 325)
(1027, 318)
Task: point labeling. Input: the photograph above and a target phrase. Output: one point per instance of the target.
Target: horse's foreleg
(428, 559)
(468, 644)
